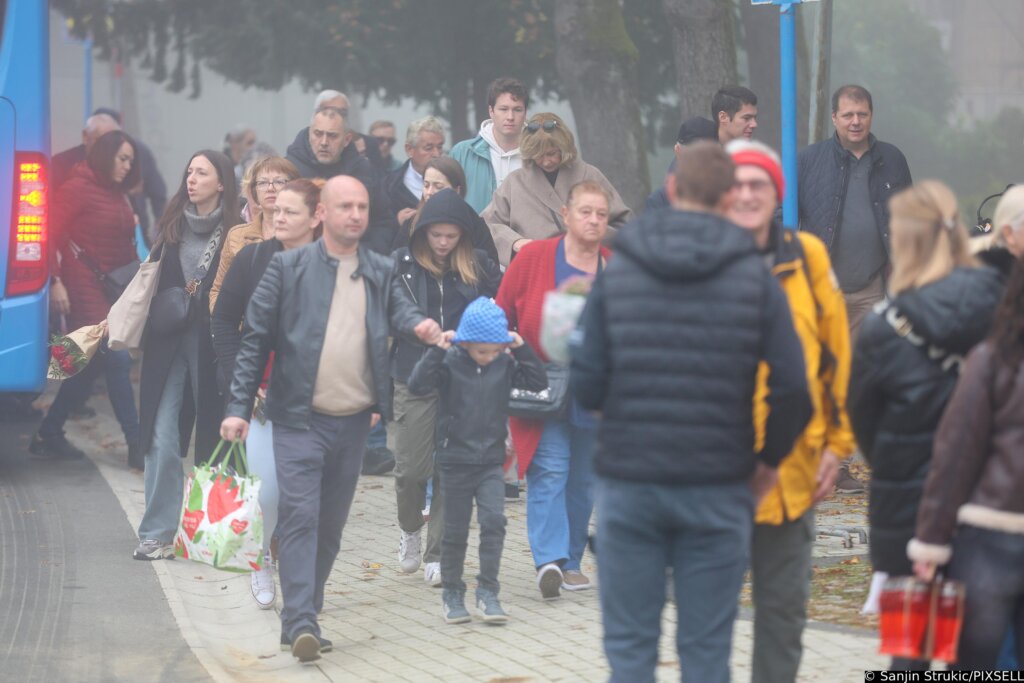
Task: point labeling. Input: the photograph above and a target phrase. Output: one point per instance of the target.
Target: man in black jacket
(845, 183)
(326, 311)
(670, 342)
(844, 187)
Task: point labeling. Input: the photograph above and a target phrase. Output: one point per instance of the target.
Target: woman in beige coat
(526, 206)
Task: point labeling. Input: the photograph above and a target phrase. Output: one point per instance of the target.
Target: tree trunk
(705, 51)
(596, 60)
(821, 106)
(458, 106)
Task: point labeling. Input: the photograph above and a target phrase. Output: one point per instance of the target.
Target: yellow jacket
(819, 317)
(238, 237)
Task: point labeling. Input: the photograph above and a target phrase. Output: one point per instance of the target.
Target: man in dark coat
(668, 350)
(844, 187)
(324, 150)
(691, 130)
(403, 187)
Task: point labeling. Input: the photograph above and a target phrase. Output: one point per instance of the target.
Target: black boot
(56, 447)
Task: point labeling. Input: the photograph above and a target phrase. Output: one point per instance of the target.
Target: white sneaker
(264, 590)
(432, 574)
(409, 555)
(549, 580)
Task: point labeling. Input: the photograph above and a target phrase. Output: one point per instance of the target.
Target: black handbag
(115, 281)
(171, 310)
(549, 404)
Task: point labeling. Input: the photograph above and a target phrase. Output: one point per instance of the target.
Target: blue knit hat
(484, 322)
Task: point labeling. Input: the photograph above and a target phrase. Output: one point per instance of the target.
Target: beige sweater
(526, 205)
(344, 379)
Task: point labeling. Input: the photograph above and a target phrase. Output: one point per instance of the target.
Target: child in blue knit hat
(474, 368)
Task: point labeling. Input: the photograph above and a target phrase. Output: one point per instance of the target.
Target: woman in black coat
(907, 358)
(178, 388)
(441, 272)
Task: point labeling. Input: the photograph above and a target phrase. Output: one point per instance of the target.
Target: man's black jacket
(288, 315)
(823, 170)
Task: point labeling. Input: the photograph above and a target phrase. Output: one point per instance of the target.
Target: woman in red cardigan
(94, 227)
(557, 455)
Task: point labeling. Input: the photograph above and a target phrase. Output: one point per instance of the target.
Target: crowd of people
(725, 369)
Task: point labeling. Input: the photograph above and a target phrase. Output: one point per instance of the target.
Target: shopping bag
(559, 315)
(921, 619)
(221, 522)
(127, 318)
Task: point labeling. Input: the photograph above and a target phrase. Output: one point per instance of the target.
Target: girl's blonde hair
(928, 238)
(461, 260)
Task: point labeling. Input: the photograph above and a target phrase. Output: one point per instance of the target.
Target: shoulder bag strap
(948, 361)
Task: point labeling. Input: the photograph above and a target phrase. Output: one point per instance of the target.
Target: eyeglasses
(755, 186)
(548, 125)
(277, 183)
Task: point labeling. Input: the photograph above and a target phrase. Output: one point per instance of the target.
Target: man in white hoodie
(489, 157)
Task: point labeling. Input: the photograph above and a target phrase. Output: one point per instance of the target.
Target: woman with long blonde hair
(907, 360)
(442, 273)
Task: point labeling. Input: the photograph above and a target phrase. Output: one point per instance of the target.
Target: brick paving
(387, 626)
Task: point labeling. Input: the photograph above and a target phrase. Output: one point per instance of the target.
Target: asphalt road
(74, 606)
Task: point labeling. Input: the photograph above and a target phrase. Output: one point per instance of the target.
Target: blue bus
(24, 196)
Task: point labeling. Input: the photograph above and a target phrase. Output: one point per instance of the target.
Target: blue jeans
(991, 565)
(259, 451)
(164, 474)
(560, 494)
(704, 533)
(117, 367)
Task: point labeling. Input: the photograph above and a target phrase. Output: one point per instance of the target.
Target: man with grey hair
(61, 164)
(403, 187)
(364, 144)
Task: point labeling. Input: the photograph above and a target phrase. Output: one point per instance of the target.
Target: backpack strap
(947, 360)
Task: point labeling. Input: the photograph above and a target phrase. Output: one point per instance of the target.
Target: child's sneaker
(489, 607)
(453, 606)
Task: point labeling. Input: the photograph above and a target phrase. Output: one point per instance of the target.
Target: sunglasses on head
(548, 125)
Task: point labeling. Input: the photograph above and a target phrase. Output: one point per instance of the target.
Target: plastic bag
(221, 522)
(559, 316)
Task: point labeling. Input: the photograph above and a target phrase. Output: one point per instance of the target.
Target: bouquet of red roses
(71, 352)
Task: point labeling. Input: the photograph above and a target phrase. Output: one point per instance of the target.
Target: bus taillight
(28, 267)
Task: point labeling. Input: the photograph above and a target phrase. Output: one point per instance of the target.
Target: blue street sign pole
(787, 64)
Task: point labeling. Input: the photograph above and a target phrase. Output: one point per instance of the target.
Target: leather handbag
(128, 315)
(548, 404)
(171, 310)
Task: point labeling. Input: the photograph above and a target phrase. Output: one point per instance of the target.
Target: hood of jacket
(683, 245)
(447, 207)
(955, 312)
(301, 151)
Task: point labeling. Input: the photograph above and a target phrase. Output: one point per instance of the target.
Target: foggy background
(947, 77)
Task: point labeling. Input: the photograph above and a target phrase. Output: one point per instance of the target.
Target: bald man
(62, 163)
(325, 310)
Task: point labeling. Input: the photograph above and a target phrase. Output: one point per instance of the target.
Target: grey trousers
(462, 484)
(411, 437)
(317, 471)
(781, 567)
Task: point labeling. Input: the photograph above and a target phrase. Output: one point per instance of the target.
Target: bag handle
(234, 457)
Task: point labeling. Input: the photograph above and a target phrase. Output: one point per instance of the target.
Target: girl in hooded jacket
(907, 359)
(442, 273)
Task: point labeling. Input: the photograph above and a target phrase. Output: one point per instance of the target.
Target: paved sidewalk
(387, 626)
